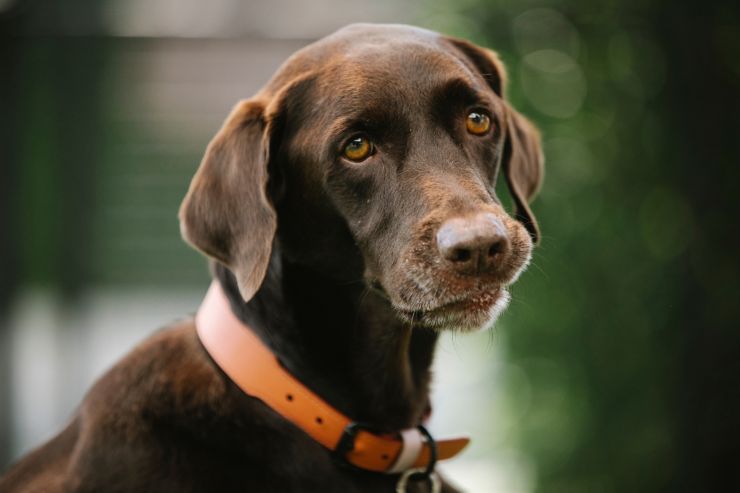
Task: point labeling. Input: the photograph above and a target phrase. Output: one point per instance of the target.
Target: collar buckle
(346, 443)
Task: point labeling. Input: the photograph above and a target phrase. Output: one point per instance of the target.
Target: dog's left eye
(478, 123)
(358, 149)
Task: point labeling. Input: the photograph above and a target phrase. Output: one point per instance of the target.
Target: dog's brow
(342, 125)
(339, 126)
(366, 119)
(459, 91)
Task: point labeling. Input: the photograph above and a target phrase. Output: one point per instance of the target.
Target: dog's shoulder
(166, 402)
(162, 380)
(165, 384)
(168, 369)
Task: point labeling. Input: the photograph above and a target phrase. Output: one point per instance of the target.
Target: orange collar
(256, 370)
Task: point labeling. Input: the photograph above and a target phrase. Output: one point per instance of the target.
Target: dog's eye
(478, 123)
(357, 149)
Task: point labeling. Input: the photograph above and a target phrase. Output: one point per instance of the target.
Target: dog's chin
(473, 313)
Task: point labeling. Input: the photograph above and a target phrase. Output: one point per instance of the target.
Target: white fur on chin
(493, 313)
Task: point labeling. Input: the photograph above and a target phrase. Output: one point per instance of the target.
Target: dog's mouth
(473, 311)
(428, 290)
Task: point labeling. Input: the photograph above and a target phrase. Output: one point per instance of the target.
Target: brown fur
(333, 263)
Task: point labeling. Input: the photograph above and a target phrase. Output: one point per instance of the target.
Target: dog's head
(374, 153)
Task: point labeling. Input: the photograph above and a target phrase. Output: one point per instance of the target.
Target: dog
(349, 213)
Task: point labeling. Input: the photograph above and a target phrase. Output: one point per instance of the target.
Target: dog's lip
(477, 301)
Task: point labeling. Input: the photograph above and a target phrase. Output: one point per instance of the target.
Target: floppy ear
(226, 213)
(523, 164)
(485, 61)
(522, 160)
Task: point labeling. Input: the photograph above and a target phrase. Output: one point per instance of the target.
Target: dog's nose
(473, 244)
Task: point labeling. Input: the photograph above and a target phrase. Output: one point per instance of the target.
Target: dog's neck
(342, 341)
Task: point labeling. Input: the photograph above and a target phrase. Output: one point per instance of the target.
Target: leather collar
(256, 371)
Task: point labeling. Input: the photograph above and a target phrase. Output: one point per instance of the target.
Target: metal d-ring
(432, 478)
(422, 473)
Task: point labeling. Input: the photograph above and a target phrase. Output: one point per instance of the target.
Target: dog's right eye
(358, 149)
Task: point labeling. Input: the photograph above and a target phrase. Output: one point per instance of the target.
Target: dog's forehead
(406, 62)
(364, 57)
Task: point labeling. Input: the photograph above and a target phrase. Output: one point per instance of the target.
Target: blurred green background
(621, 351)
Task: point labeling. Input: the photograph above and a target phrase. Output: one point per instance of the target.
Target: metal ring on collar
(432, 450)
(434, 482)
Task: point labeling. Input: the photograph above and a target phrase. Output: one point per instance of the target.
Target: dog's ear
(523, 164)
(522, 159)
(485, 61)
(226, 213)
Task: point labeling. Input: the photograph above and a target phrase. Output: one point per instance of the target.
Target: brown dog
(350, 208)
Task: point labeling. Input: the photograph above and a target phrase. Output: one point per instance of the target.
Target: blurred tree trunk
(700, 109)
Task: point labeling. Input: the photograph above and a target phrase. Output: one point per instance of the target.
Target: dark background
(624, 332)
